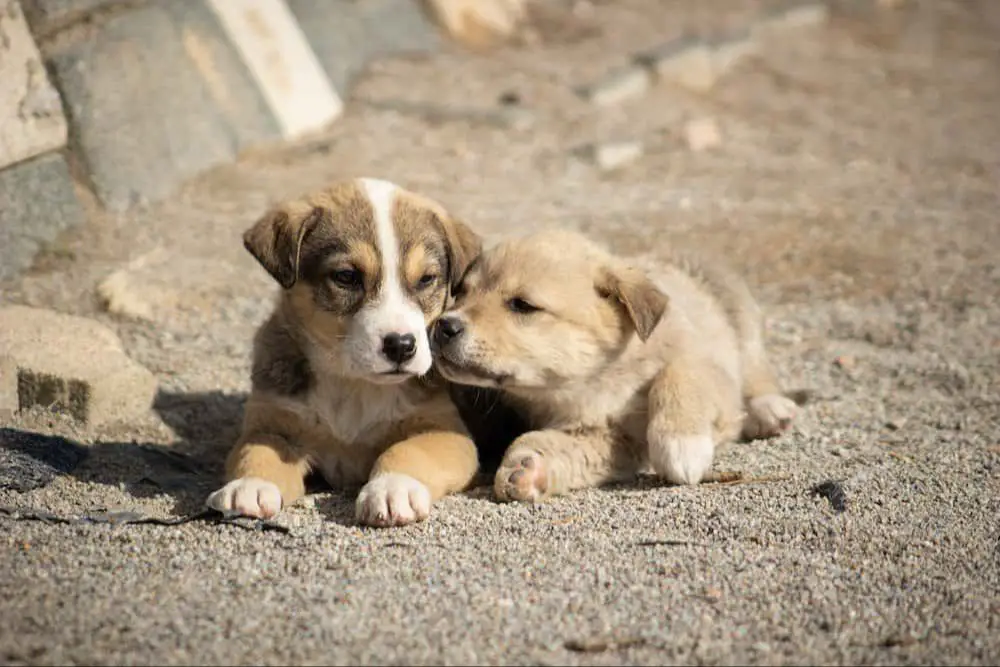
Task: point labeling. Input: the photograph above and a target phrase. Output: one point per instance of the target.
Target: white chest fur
(361, 414)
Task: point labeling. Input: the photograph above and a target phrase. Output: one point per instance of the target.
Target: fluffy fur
(614, 372)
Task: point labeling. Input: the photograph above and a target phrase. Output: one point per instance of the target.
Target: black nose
(398, 348)
(447, 329)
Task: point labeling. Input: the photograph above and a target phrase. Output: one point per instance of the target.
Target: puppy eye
(346, 278)
(426, 280)
(519, 305)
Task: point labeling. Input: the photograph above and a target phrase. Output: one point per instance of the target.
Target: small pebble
(702, 134)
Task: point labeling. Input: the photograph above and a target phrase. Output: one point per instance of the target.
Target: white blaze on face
(391, 311)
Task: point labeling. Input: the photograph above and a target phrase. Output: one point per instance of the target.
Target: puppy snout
(399, 348)
(448, 329)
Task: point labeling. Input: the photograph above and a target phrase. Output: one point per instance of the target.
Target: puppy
(612, 371)
(341, 383)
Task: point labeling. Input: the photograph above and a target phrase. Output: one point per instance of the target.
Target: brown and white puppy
(612, 371)
(342, 382)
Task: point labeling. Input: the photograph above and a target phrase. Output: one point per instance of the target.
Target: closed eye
(522, 306)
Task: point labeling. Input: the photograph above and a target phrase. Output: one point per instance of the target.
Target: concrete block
(31, 116)
(345, 35)
(686, 61)
(618, 86)
(71, 364)
(154, 100)
(37, 202)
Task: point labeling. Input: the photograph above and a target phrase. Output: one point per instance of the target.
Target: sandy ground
(857, 188)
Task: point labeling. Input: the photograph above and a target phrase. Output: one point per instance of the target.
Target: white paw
(247, 496)
(768, 416)
(393, 499)
(682, 459)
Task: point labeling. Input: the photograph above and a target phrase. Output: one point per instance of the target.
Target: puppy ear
(643, 301)
(464, 246)
(276, 241)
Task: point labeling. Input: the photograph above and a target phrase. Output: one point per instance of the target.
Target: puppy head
(542, 311)
(366, 267)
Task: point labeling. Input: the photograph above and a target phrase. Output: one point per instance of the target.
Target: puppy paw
(522, 476)
(768, 416)
(247, 496)
(682, 459)
(393, 499)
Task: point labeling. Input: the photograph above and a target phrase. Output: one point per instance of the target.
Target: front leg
(693, 406)
(542, 464)
(409, 476)
(264, 473)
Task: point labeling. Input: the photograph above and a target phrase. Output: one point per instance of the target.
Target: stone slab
(71, 364)
(144, 116)
(31, 116)
(345, 34)
(37, 202)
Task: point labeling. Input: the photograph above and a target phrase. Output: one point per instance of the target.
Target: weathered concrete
(70, 364)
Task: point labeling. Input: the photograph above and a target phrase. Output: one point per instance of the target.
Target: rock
(37, 202)
(612, 155)
(119, 297)
(70, 364)
(792, 15)
(686, 61)
(157, 95)
(702, 134)
(31, 460)
(618, 86)
(31, 117)
(730, 49)
(479, 23)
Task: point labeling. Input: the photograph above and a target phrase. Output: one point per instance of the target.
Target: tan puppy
(613, 371)
(341, 381)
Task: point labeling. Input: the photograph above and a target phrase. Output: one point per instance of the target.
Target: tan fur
(306, 412)
(615, 371)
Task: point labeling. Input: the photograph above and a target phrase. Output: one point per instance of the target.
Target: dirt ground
(857, 186)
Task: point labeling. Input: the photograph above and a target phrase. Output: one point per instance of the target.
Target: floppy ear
(464, 246)
(276, 241)
(643, 301)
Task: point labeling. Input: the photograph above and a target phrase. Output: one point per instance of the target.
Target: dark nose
(399, 348)
(447, 329)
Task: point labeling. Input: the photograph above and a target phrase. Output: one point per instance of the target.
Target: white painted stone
(618, 86)
(271, 43)
(31, 115)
